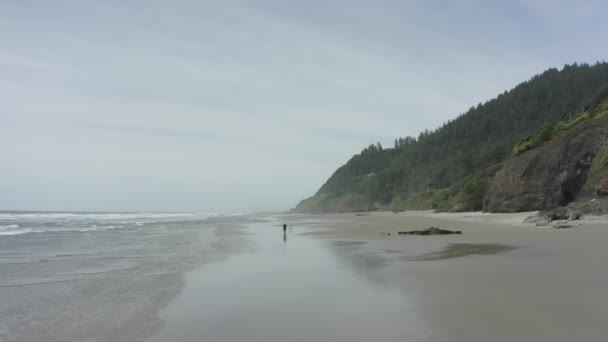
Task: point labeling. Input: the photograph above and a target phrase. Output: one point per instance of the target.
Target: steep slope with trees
(452, 166)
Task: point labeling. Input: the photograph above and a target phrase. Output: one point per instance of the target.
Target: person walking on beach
(284, 228)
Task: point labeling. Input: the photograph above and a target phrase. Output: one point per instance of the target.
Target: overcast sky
(240, 106)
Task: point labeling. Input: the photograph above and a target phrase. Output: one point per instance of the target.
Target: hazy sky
(239, 106)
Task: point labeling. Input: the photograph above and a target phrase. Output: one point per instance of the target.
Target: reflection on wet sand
(458, 250)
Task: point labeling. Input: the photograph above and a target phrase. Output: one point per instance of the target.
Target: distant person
(284, 228)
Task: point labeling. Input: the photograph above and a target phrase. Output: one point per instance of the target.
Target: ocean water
(24, 222)
(96, 276)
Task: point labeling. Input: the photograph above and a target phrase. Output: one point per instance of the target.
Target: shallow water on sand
(286, 288)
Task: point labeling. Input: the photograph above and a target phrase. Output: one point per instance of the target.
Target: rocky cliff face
(572, 166)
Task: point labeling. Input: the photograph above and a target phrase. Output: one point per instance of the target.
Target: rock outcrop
(430, 231)
(571, 166)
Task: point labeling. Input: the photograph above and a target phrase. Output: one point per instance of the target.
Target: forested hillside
(450, 167)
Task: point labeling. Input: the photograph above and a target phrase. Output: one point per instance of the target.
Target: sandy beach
(337, 277)
(500, 280)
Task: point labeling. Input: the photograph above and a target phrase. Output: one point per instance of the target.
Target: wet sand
(286, 288)
(498, 281)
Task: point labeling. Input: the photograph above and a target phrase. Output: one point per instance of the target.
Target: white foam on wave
(16, 232)
(93, 228)
(50, 216)
(13, 223)
(6, 232)
(10, 226)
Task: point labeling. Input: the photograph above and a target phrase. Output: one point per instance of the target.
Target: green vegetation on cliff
(452, 166)
(597, 109)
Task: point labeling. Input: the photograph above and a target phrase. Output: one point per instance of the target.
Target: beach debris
(430, 231)
(361, 214)
(427, 231)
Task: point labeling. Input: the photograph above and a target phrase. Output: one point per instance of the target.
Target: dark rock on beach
(572, 212)
(560, 213)
(596, 206)
(431, 231)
